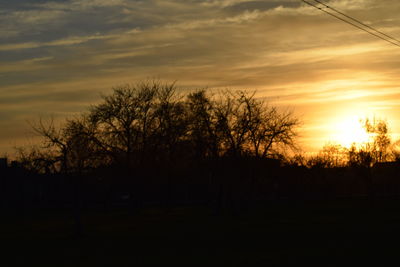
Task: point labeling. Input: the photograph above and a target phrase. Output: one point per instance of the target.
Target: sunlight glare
(349, 131)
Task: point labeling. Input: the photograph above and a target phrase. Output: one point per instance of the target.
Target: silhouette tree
(171, 122)
(381, 140)
(271, 129)
(71, 148)
(37, 160)
(147, 136)
(232, 123)
(395, 151)
(249, 126)
(54, 145)
(331, 155)
(85, 152)
(377, 149)
(150, 121)
(366, 155)
(122, 119)
(202, 130)
(67, 152)
(362, 156)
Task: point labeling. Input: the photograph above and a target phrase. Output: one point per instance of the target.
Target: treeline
(223, 185)
(140, 125)
(148, 144)
(380, 148)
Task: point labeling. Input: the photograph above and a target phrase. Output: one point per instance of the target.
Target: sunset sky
(58, 57)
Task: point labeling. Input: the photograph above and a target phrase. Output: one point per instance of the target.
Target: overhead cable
(356, 23)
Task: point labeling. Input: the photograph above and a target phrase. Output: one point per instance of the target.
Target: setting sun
(349, 131)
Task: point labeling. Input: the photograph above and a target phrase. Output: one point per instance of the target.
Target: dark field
(322, 233)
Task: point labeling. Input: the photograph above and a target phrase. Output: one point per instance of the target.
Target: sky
(58, 57)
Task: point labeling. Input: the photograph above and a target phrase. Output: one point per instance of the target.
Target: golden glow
(348, 131)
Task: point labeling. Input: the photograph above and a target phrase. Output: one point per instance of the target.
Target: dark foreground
(324, 234)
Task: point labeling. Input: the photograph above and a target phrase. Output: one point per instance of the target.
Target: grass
(191, 236)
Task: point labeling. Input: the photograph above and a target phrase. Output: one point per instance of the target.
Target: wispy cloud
(61, 42)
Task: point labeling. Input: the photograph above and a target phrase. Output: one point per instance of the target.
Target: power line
(357, 21)
(355, 25)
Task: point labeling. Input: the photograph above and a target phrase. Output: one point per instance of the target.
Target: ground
(327, 235)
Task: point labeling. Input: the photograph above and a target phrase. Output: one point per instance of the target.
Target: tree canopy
(152, 121)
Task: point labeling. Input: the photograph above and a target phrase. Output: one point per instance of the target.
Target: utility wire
(358, 21)
(353, 24)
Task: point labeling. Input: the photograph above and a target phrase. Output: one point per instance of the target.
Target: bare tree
(37, 160)
(202, 124)
(277, 129)
(381, 140)
(249, 125)
(66, 148)
(377, 149)
(334, 155)
(171, 121)
(85, 151)
(73, 147)
(151, 120)
(126, 119)
(231, 124)
(54, 145)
